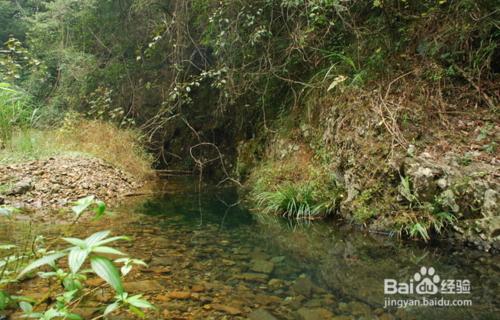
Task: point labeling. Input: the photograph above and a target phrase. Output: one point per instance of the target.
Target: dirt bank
(43, 186)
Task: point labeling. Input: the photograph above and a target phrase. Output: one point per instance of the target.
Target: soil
(42, 187)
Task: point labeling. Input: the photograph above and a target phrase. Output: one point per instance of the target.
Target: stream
(210, 258)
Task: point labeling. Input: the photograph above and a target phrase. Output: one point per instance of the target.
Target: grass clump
(293, 192)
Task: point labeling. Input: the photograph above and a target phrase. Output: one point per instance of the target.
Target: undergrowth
(293, 192)
(119, 147)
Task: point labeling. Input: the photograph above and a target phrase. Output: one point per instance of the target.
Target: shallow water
(309, 271)
(210, 258)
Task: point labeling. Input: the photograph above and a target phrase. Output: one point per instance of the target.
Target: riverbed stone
(261, 314)
(303, 286)
(253, 277)
(21, 187)
(262, 266)
(227, 309)
(359, 309)
(314, 314)
(143, 286)
(180, 295)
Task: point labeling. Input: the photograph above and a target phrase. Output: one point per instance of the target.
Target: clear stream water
(234, 262)
(222, 242)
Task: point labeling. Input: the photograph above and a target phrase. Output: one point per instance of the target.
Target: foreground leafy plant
(80, 252)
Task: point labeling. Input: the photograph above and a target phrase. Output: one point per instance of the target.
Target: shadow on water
(348, 264)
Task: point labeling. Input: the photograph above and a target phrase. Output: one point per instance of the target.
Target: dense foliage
(232, 67)
(356, 85)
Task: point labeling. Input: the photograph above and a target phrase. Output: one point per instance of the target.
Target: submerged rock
(227, 309)
(262, 266)
(303, 286)
(181, 295)
(143, 286)
(261, 314)
(314, 314)
(255, 277)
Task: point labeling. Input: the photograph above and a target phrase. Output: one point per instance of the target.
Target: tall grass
(119, 147)
(16, 112)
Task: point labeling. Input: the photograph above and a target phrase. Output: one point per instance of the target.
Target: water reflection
(350, 265)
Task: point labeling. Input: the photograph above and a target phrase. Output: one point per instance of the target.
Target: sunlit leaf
(76, 258)
(41, 262)
(100, 243)
(26, 307)
(82, 204)
(96, 237)
(110, 308)
(105, 269)
(107, 250)
(76, 242)
(136, 301)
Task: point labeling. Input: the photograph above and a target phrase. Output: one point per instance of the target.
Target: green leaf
(100, 210)
(96, 237)
(76, 242)
(137, 311)
(107, 250)
(105, 269)
(72, 316)
(110, 308)
(41, 262)
(82, 204)
(51, 314)
(76, 258)
(100, 243)
(136, 301)
(26, 307)
(4, 300)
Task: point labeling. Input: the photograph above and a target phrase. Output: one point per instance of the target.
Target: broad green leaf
(26, 307)
(82, 204)
(76, 242)
(76, 258)
(51, 314)
(100, 243)
(105, 269)
(126, 269)
(136, 301)
(107, 250)
(96, 237)
(110, 308)
(41, 262)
